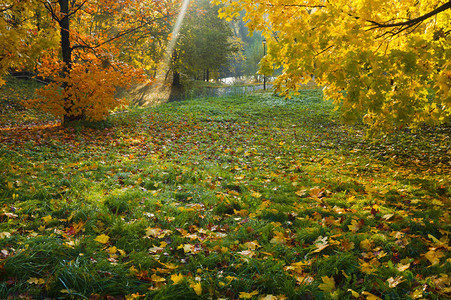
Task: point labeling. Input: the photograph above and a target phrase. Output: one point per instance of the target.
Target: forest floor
(250, 197)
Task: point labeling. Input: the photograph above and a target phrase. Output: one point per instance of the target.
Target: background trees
(386, 62)
(205, 43)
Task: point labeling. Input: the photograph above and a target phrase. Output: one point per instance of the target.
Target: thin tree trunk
(66, 52)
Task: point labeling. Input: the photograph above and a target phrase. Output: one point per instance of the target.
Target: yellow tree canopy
(385, 61)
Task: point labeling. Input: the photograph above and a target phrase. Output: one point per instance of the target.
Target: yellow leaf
(244, 295)
(393, 282)
(278, 238)
(112, 250)
(434, 256)
(133, 270)
(328, 284)
(256, 195)
(47, 219)
(248, 253)
(371, 296)
(354, 293)
(4, 235)
(321, 243)
(153, 232)
(134, 296)
(301, 193)
(355, 226)
(197, 287)
(103, 239)
(366, 244)
(34, 280)
(157, 278)
(252, 245)
(401, 267)
(177, 278)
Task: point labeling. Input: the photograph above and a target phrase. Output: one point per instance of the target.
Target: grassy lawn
(236, 198)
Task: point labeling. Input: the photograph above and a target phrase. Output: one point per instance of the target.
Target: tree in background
(386, 62)
(205, 43)
(89, 48)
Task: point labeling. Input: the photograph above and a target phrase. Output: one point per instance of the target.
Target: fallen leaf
(370, 296)
(401, 268)
(177, 278)
(354, 293)
(278, 238)
(103, 239)
(4, 235)
(355, 226)
(47, 219)
(197, 287)
(328, 284)
(34, 280)
(244, 295)
(434, 256)
(393, 282)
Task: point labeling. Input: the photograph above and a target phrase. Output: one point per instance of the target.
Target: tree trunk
(66, 52)
(65, 38)
(176, 78)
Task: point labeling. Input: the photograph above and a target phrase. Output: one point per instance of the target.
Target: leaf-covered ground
(236, 198)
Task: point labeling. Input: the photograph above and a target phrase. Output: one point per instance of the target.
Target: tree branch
(117, 36)
(410, 23)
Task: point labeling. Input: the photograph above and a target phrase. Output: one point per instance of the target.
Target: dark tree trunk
(66, 52)
(176, 78)
(207, 77)
(65, 41)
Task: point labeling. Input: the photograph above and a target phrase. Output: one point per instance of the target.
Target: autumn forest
(225, 149)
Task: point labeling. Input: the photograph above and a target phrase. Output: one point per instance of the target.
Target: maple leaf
(47, 219)
(393, 282)
(153, 232)
(321, 243)
(37, 281)
(279, 238)
(248, 253)
(256, 195)
(366, 244)
(156, 278)
(434, 256)
(252, 245)
(4, 235)
(197, 287)
(354, 293)
(402, 267)
(370, 296)
(355, 226)
(347, 245)
(177, 278)
(328, 284)
(103, 239)
(245, 295)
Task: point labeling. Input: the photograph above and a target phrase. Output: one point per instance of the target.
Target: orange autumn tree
(89, 64)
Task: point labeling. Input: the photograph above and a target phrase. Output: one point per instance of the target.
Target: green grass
(255, 194)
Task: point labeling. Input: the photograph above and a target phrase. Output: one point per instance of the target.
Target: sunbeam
(174, 37)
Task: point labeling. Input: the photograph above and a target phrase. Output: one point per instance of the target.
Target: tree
(89, 63)
(386, 62)
(205, 42)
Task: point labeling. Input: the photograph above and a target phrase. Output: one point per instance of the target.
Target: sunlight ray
(174, 36)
